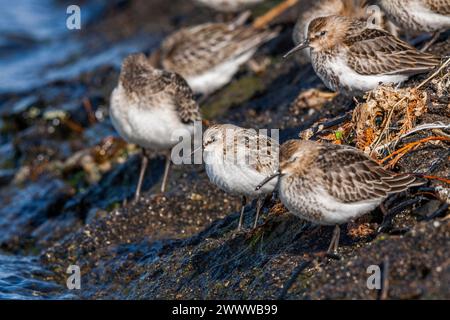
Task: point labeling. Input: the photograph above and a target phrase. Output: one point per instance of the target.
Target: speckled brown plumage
(237, 159)
(373, 51)
(418, 15)
(317, 179)
(353, 58)
(357, 9)
(152, 108)
(438, 6)
(140, 78)
(261, 152)
(347, 174)
(192, 51)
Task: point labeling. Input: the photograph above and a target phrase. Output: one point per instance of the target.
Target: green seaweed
(234, 94)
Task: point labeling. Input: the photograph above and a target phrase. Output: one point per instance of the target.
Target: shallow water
(36, 47)
(36, 50)
(21, 278)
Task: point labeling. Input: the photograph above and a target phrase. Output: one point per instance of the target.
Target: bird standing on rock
(237, 159)
(331, 184)
(352, 58)
(152, 108)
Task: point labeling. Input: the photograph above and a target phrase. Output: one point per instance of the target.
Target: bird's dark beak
(299, 47)
(268, 179)
(196, 150)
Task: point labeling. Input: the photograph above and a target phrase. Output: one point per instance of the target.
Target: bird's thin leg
(241, 218)
(432, 40)
(334, 244)
(144, 163)
(383, 209)
(259, 205)
(166, 172)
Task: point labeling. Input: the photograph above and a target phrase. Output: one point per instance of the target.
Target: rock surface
(66, 181)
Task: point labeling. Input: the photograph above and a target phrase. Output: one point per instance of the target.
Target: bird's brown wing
(375, 52)
(187, 107)
(177, 89)
(261, 151)
(351, 176)
(194, 50)
(438, 6)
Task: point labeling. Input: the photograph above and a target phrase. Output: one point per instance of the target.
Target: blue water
(22, 278)
(36, 49)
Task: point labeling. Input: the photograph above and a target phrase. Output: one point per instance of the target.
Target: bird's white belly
(349, 78)
(319, 207)
(429, 20)
(228, 5)
(153, 128)
(218, 76)
(233, 178)
(336, 212)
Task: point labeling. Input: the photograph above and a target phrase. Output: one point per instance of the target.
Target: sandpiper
(357, 9)
(210, 54)
(152, 109)
(331, 184)
(228, 5)
(419, 15)
(352, 58)
(237, 159)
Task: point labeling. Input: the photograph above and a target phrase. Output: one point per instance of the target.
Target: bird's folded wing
(186, 106)
(438, 6)
(261, 151)
(200, 48)
(377, 52)
(350, 176)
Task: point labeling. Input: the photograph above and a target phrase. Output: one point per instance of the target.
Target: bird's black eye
(209, 141)
(323, 33)
(293, 159)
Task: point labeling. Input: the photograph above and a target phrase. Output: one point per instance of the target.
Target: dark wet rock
(68, 184)
(218, 263)
(6, 176)
(25, 208)
(163, 247)
(115, 187)
(7, 156)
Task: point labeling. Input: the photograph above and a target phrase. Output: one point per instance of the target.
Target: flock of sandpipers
(323, 183)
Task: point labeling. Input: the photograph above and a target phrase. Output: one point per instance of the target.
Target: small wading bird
(332, 184)
(228, 5)
(351, 58)
(149, 106)
(419, 15)
(237, 159)
(209, 55)
(357, 9)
